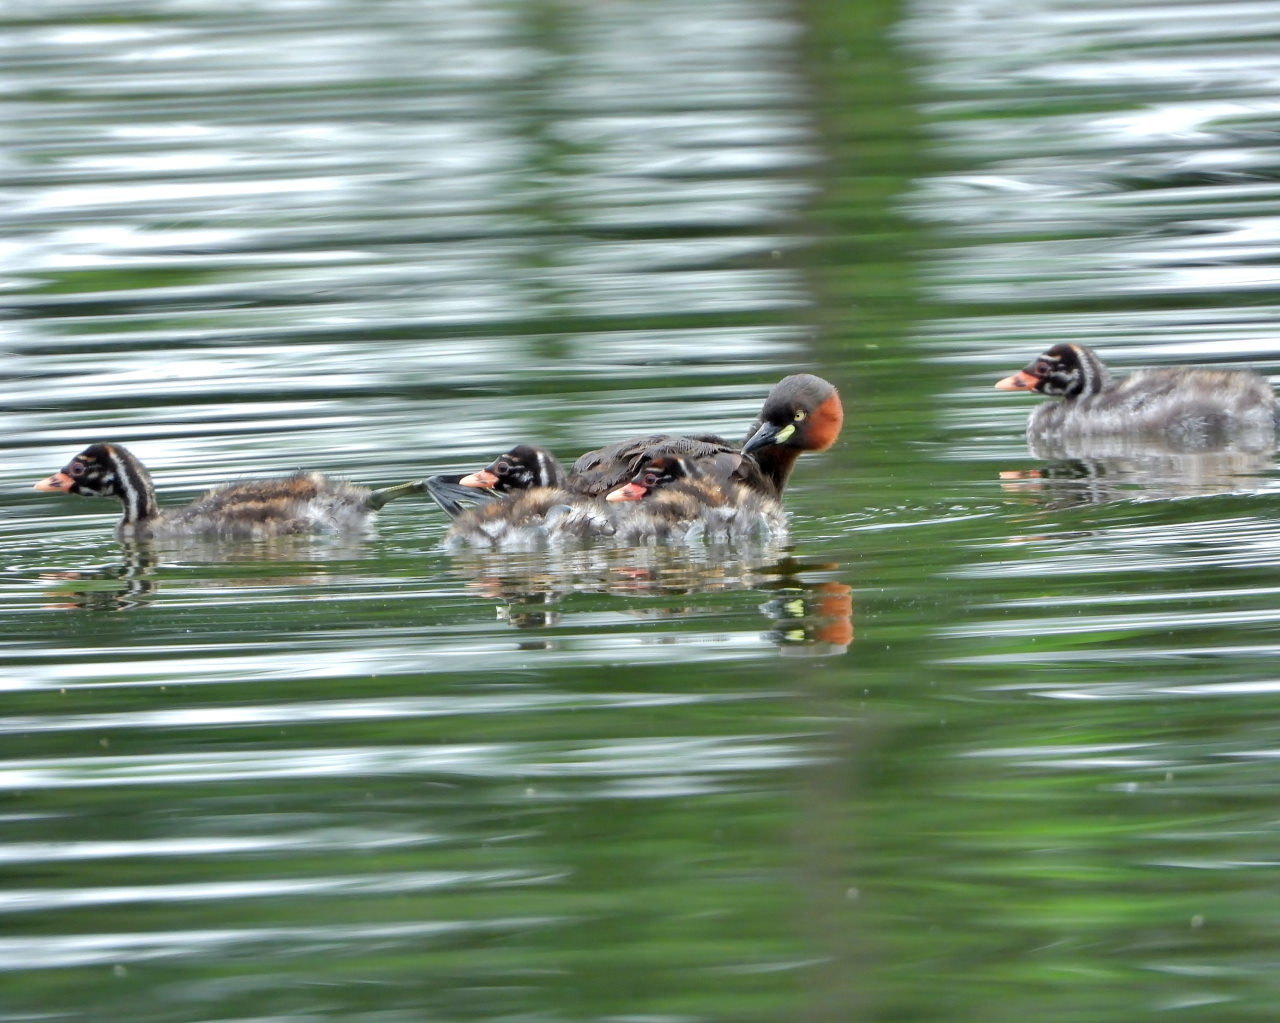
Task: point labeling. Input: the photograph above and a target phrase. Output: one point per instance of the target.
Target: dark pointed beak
(768, 434)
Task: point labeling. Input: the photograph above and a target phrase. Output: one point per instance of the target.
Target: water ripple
(689, 765)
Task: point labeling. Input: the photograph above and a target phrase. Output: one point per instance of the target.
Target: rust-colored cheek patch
(828, 419)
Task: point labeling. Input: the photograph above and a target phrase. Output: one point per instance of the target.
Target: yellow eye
(800, 414)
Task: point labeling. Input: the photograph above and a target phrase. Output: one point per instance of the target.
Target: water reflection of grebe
(534, 588)
(143, 571)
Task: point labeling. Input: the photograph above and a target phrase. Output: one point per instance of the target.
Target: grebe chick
(677, 497)
(534, 507)
(1197, 408)
(307, 502)
(532, 518)
(522, 468)
(801, 413)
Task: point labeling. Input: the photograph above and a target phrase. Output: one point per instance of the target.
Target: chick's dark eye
(1042, 369)
(650, 479)
(502, 468)
(76, 468)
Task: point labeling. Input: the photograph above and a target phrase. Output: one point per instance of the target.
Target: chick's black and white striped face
(92, 473)
(1054, 371)
(654, 474)
(662, 471)
(1067, 371)
(523, 468)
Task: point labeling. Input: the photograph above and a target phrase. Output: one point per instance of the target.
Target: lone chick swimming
(307, 502)
(1197, 408)
(802, 413)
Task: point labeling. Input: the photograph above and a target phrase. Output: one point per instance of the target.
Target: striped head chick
(1189, 408)
(521, 469)
(524, 467)
(684, 499)
(307, 502)
(1064, 371)
(535, 509)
